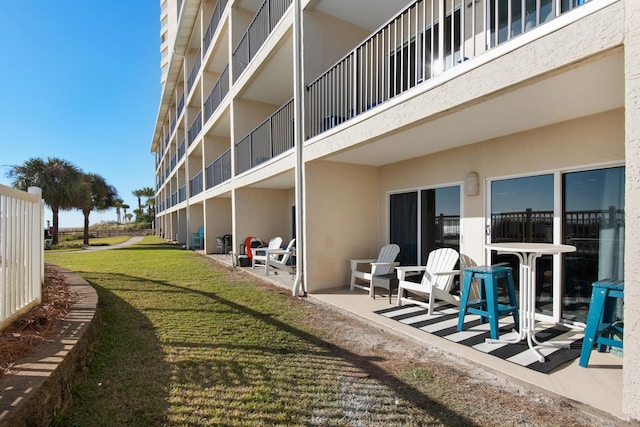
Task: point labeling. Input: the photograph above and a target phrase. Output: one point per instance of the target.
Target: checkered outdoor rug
(444, 322)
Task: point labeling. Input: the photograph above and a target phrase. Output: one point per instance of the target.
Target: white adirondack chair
(260, 254)
(437, 279)
(384, 264)
(279, 262)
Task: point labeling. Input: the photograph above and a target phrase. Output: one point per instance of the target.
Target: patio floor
(598, 386)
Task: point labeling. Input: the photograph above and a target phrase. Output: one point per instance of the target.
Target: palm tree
(149, 193)
(117, 203)
(95, 194)
(124, 207)
(58, 179)
(138, 194)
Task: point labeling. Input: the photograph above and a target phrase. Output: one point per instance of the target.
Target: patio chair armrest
(403, 270)
(447, 273)
(355, 262)
(377, 265)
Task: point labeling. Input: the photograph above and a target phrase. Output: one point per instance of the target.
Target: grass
(185, 341)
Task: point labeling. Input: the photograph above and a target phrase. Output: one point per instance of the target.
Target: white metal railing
(414, 46)
(21, 252)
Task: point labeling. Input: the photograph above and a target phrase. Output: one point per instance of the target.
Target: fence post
(37, 244)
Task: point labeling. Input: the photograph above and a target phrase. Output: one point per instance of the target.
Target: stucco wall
(631, 367)
(341, 221)
(588, 142)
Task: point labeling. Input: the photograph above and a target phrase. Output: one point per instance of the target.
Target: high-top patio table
(527, 254)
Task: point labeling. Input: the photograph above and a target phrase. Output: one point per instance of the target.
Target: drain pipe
(299, 286)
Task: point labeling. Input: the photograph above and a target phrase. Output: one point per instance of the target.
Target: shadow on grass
(172, 354)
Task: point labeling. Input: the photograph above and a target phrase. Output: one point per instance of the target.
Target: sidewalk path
(131, 241)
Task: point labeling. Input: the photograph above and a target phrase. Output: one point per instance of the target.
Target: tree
(124, 207)
(94, 194)
(149, 193)
(117, 203)
(58, 179)
(138, 194)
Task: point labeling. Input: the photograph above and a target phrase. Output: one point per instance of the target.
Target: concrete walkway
(131, 241)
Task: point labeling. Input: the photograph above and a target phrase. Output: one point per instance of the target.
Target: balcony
(259, 29)
(217, 94)
(195, 185)
(180, 105)
(195, 128)
(182, 194)
(213, 24)
(194, 71)
(414, 47)
(219, 170)
(181, 149)
(271, 138)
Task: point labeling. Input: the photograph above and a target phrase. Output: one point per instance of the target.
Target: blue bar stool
(600, 326)
(487, 305)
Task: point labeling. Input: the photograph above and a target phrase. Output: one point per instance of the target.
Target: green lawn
(186, 342)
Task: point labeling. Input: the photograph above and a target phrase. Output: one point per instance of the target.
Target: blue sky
(81, 82)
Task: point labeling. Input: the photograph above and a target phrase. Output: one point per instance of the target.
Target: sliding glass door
(593, 222)
(423, 220)
(584, 209)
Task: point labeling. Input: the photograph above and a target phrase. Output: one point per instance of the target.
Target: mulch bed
(31, 329)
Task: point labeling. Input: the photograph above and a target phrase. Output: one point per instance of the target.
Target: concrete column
(631, 381)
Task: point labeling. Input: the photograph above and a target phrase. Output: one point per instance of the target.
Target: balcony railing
(174, 199)
(213, 24)
(259, 29)
(271, 138)
(414, 47)
(219, 170)
(195, 128)
(218, 92)
(181, 149)
(195, 185)
(180, 105)
(194, 71)
(182, 194)
(174, 161)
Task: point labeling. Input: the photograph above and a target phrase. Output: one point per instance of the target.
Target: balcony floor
(599, 386)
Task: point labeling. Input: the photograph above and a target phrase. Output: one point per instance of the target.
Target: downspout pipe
(299, 285)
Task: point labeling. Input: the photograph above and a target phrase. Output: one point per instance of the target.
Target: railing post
(37, 244)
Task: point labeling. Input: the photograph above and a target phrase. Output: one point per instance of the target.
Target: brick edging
(39, 386)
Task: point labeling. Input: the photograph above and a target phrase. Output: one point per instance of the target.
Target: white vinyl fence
(21, 252)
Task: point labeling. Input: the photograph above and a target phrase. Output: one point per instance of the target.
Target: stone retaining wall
(39, 386)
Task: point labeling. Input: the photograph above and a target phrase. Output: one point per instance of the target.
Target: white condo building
(348, 125)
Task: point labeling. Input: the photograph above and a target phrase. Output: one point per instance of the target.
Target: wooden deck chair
(436, 282)
(282, 256)
(260, 253)
(384, 264)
